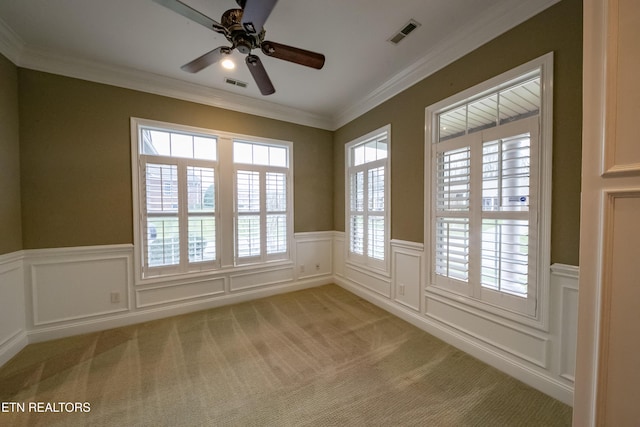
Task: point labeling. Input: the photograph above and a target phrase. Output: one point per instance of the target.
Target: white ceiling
(141, 45)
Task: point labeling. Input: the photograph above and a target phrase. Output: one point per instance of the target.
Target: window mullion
(263, 214)
(183, 214)
(365, 214)
(475, 217)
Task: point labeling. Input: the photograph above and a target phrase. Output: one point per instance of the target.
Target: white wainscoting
(542, 359)
(314, 254)
(68, 284)
(52, 293)
(564, 310)
(13, 330)
(407, 273)
(261, 278)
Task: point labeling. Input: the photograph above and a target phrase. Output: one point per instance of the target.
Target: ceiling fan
(243, 28)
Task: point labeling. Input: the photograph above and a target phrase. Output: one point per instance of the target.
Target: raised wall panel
(407, 274)
(620, 340)
(12, 315)
(338, 254)
(622, 145)
(563, 305)
(513, 340)
(254, 279)
(175, 293)
(568, 332)
(607, 379)
(369, 280)
(314, 255)
(74, 289)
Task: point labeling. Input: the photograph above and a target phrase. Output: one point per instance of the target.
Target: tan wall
(558, 29)
(76, 161)
(10, 222)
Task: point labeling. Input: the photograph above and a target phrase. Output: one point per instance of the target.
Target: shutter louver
(453, 180)
(452, 248)
(276, 212)
(248, 208)
(505, 255)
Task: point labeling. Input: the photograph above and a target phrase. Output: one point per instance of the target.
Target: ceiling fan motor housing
(237, 35)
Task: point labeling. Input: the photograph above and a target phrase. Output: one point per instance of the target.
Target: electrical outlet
(317, 267)
(402, 289)
(115, 297)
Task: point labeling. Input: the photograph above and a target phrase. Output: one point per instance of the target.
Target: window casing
(262, 180)
(192, 187)
(488, 184)
(367, 190)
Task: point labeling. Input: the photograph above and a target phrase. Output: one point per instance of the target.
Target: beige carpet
(318, 357)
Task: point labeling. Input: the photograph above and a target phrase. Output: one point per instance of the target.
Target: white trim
(9, 259)
(564, 337)
(364, 260)
(226, 216)
(307, 236)
(544, 64)
(564, 270)
(268, 279)
(405, 244)
(554, 379)
(494, 22)
(143, 81)
(407, 282)
(93, 325)
(147, 289)
(493, 357)
(13, 336)
(11, 45)
(498, 322)
(12, 346)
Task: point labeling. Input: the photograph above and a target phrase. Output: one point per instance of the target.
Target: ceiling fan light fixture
(228, 64)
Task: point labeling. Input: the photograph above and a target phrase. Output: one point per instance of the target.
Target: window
(489, 191)
(261, 180)
(178, 177)
(367, 199)
(192, 185)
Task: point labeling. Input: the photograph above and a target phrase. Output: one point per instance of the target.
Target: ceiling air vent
(235, 82)
(404, 32)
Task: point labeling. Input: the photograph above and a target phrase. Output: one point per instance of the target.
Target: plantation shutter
(276, 199)
(248, 211)
(452, 198)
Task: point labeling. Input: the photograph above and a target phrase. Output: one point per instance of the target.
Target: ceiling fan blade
(207, 59)
(293, 54)
(260, 75)
(192, 14)
(256, 13)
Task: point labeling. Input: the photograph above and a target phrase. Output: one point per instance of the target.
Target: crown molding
(11, 45)
(128, 78)
(489, 25)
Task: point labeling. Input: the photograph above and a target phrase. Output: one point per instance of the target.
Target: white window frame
(364, 260)
(533, 311)
(263, 213)
(224, 167)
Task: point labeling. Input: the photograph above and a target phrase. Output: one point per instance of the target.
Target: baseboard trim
(155, 313)
(509, 366)
(13, 346)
